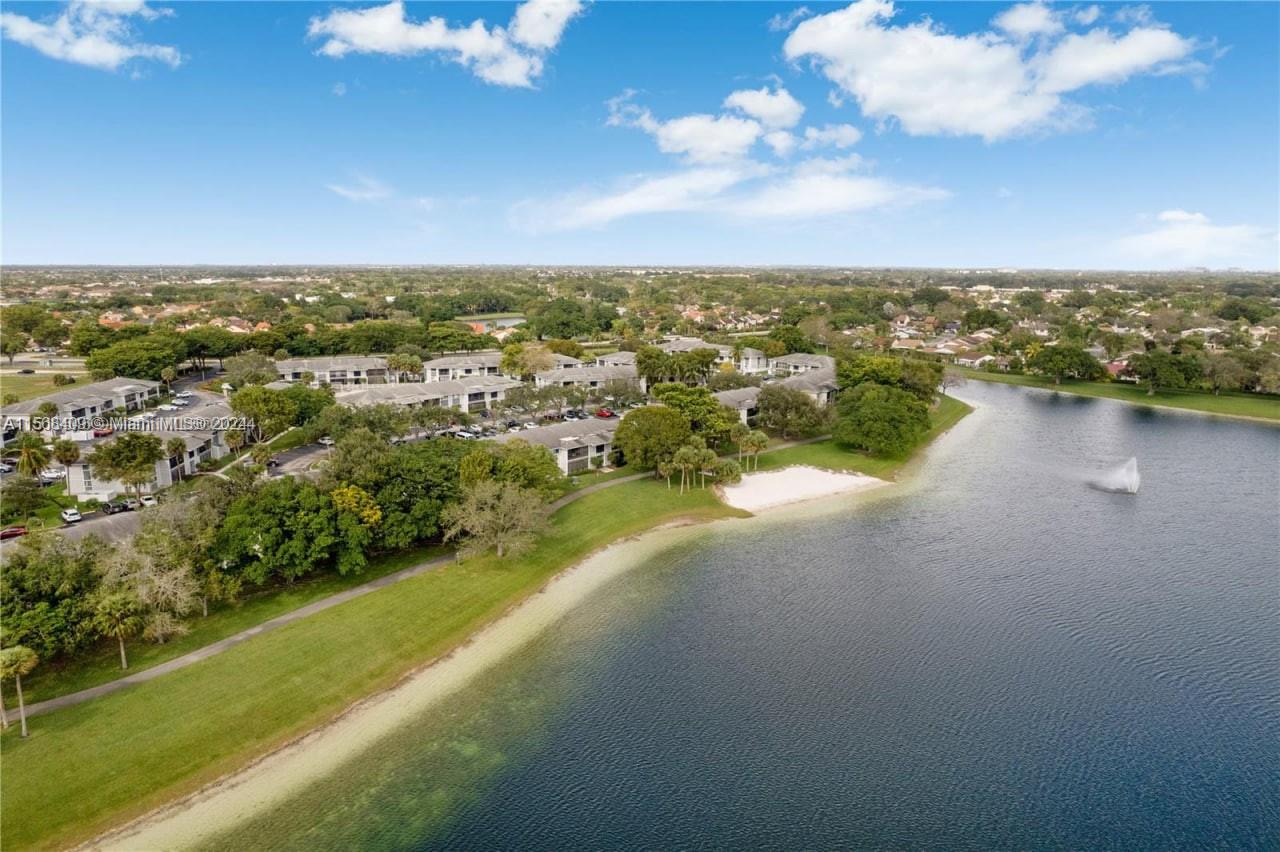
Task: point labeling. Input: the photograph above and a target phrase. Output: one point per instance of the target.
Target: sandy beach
(271, 780)
(775, 488)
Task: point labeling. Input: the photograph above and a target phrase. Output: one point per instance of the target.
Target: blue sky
(939, 134)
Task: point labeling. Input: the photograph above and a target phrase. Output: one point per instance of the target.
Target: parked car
(103, 432)
(70, 516)
(167, 407)
(605, 413)
(5, 467)
(183, 395)
(132, 503)
(114, 507)
(327, 441)
(12, 532)
(273, 462)
(26, 371)
(181, 403)
(53, 475)
(513, 424)
(150, 500)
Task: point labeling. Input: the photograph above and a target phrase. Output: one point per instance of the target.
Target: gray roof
(804, 359)
(77, 395)
(616, 358)
(738, 398)
(571, 433)
(689, 344)
(581, 375)
(813, 381)
(415, 393)
(485, 358)
(331, 362)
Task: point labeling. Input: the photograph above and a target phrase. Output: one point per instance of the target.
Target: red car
(103, 432)
(605, 412)
(12, 532)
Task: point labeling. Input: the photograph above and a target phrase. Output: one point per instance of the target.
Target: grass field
(28, 387)
(831, 456)
(94, 765)
(102, 663)
(47, 516)
(1229, 404)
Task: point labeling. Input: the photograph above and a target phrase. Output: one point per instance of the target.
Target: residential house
(748, 360)
(576, 444)
(486, 363)
(616, 359)
(976, 360)
(338, 370)
(742, 400)
(820, 385)
(800, 362)
(81, 402)
(471, 393)
(586, 377)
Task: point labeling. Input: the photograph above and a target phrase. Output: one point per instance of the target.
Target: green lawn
(29, 387)
(831, 456)
(88, 767)
(1231, 404)
(102, 663)
(48, 515)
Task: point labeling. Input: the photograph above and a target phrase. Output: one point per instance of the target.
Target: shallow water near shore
(991, 655)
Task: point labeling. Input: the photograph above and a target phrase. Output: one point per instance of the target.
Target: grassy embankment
(101, 664)
(96, 764)
(1228, 404)
(831, 456)
(40, 384)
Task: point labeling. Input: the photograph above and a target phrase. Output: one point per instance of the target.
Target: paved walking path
(73, 698)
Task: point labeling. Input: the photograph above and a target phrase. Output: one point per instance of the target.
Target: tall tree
(116, 615)
(14, 663)
(649, 435)
(497, 516)
(33, 456)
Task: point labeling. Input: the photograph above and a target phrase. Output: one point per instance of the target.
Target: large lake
(995, 656)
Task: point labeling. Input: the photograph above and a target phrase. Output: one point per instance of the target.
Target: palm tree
(47, 411)
(175, 446)
(116, 615)
(665, 469)
(759, 441)
(706, 464)
(167, 375)
(260, 454)
(738, 434)
(14, 663)
(686, 459)
(234, 439)
(66, 453)
(33, 456)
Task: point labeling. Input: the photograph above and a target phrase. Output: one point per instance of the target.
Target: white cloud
(1099, 57)
(986, 84)
(339, 89)
(781, 23)
(540, 23)
(782, 142)
(811, 189)
(95, 33)
(827, 188)
(692, 189)
(1028, 19)
(1087, 15)
(700, 138)
(1182, 238)
(775, 110)
(834, 135)
(363, 189)
(495, 55)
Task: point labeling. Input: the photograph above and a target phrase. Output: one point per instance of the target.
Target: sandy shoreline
(273, 778)
(270, 780)
(800, 483)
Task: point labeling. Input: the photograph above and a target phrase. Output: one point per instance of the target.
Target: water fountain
(1121, 480)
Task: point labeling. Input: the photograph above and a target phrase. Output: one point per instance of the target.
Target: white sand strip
(773, 488)
(270, 781)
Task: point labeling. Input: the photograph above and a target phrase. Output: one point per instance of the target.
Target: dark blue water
(995, 657)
